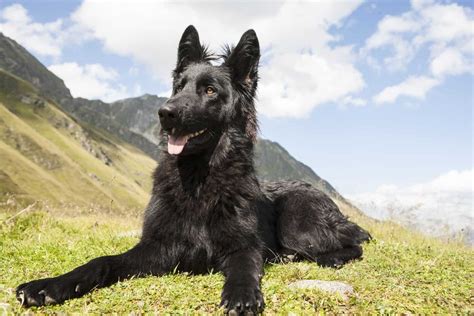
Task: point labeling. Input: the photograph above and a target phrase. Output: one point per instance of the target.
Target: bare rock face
(343, 289)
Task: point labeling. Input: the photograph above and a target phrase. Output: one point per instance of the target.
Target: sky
(375, 96)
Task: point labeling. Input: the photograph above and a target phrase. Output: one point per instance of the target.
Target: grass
(402, 272)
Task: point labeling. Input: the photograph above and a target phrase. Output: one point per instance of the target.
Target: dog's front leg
(241, 294)
(100, 272)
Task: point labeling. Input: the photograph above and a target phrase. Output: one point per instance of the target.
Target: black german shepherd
(208, 210)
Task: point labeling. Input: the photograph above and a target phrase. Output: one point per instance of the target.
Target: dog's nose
(168, 115)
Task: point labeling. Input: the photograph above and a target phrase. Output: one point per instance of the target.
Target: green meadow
(401, 272)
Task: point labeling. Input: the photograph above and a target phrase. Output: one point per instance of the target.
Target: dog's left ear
(243, 60)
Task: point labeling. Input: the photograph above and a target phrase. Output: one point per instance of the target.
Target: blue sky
(368, 94)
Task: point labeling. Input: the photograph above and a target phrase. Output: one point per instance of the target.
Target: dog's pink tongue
(176, 144)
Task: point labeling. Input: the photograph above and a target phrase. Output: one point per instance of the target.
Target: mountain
(134, 120)
(15, 59)
(115, 119)
(273, 162)
(46, 155)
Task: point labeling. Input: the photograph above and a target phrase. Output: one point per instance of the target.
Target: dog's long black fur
(208, 211)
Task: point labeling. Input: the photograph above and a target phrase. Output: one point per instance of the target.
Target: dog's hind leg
(331, 259)
(311, 226)
(339, 257)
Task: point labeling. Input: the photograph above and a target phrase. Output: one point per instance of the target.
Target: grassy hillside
(45, 155)
(401, 273)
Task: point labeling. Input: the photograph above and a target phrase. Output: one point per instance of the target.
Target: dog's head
(207, 100)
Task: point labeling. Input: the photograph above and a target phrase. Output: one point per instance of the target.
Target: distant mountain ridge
(15, 59)
(134, 120)
(49, 157)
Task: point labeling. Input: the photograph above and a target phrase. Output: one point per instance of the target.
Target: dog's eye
(210, 90)
(178, 87)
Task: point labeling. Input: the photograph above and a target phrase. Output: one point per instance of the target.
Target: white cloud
(298, 82)
(445, 32)
(47, 39)
(303, 66)
(415, 87)
(390, 31)
(357, 102)
(40, 38)
(92, 81)
(449, 62)
(445, 200)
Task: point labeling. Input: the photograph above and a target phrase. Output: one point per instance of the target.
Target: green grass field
(402, 272)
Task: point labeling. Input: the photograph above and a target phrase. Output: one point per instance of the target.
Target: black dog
(208, 210)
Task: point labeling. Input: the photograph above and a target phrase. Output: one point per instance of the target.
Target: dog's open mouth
(176, 143)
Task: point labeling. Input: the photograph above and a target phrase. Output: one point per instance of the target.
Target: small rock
(343, 289)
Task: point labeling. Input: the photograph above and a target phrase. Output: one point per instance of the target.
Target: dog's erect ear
(190, 49)
(243, 60)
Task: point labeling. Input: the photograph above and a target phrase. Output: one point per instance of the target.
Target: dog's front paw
(46, 292)
(241, 300)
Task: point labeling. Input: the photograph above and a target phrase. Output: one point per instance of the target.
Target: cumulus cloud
(445, 32)
(45, 39)
(302, 65)
(440, 206)
(351, 101)
(39, 38)
(450, 62)
(92, 81)
(415, 87)
(299, 82)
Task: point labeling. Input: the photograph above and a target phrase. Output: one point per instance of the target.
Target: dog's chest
(191, 230)
(194, 246)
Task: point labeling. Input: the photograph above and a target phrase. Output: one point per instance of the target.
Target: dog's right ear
(190, 50)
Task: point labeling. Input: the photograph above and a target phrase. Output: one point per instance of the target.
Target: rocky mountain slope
(15, 59)
(47, 156)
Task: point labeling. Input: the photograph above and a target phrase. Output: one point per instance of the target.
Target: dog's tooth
(173, 130)
(197, 133)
